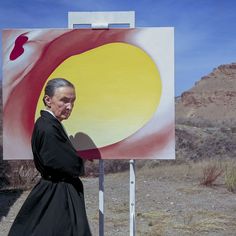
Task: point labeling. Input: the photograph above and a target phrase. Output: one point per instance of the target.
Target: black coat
(55, 207)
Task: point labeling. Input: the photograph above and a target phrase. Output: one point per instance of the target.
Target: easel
(102, 20)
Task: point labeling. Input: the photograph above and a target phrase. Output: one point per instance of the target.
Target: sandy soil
(169, 201)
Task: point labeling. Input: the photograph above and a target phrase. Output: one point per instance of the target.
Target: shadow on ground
(7, 199)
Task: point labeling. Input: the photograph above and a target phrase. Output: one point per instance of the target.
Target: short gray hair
(55, 83)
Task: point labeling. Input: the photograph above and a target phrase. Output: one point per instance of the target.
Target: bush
(210, 173)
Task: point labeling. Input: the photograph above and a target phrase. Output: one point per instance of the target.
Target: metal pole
(101, 198)
(132, 226)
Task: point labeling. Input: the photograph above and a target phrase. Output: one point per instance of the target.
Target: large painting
(124, 80)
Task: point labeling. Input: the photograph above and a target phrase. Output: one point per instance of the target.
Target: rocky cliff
(212, 101)
(206, 117)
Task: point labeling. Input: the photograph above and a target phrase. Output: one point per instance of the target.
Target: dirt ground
(169, 201)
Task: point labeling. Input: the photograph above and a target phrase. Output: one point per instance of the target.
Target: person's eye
(65, 100)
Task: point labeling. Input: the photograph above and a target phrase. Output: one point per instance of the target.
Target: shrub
(210, 173)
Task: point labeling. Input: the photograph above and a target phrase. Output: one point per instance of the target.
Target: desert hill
(212, 101)
(206, 117)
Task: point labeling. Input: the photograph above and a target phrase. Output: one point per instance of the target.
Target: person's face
(62, 102)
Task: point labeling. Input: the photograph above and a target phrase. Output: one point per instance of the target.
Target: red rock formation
(212, 100)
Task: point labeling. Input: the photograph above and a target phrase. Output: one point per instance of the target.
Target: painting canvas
(124, 81)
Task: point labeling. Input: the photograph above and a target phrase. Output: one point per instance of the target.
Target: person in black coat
(55, 206)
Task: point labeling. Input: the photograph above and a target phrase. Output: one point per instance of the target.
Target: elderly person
(55, 207)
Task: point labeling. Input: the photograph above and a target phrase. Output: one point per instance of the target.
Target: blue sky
(205, 32)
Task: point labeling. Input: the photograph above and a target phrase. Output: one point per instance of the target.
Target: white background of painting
(159, 44)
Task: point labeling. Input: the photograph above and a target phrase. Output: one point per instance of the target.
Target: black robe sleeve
(53, 153)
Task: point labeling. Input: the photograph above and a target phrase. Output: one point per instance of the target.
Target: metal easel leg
(132, 198)
(101, 197)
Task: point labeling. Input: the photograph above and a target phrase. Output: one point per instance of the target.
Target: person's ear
(47, 101)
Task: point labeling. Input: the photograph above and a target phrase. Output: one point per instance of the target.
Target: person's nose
(69, 106)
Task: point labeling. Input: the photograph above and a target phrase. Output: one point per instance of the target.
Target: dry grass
(230, 177)
(193, 223)
(208, 172)
(196, 223)
(182, 171)
(168, 171)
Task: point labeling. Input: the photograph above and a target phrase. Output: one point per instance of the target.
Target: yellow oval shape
(118, 89)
